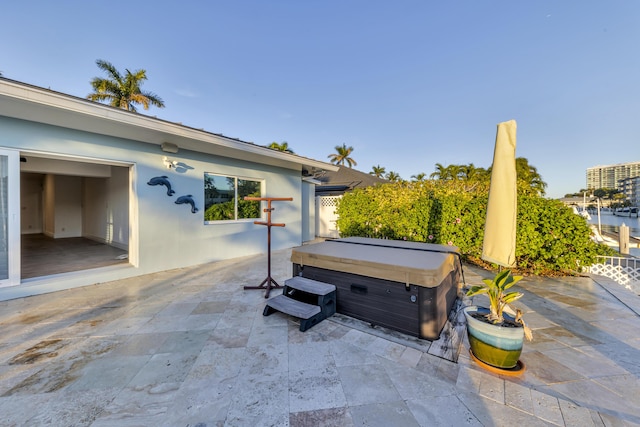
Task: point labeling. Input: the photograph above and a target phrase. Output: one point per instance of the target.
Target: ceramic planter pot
(498, 346)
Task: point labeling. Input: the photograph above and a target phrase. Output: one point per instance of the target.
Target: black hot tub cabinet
(406, 286)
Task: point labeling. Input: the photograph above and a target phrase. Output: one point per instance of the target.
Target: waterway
(611, 223)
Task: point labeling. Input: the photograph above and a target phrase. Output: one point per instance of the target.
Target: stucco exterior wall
(162, 234)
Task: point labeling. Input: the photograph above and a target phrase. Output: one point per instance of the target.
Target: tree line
(529, 179)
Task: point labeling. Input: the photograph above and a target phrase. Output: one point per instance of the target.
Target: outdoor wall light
(168, 147)
(169, 163)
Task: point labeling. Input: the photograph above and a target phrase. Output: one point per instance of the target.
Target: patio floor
(190, 347)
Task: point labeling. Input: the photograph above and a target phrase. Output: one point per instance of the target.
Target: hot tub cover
(421, 264)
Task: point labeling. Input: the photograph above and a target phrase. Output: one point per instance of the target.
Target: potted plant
(495, 337)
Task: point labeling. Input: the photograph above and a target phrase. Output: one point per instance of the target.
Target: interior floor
(43, 255)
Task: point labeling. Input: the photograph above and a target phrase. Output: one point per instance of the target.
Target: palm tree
(440, 173)
(419, 177)
(466, 172)
(393, 176)
(341, 156)
(122, 91)
(281, 147)
(471, 173)
(481, 174)
(446, 173)
(528, 175)
(378, 171)
(453, 172)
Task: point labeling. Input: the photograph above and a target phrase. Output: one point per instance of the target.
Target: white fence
(326, 216)
(625, 271)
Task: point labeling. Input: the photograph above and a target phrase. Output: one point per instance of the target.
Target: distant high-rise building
(610, 175)
(630, 187)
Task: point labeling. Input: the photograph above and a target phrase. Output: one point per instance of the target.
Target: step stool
(307, 299)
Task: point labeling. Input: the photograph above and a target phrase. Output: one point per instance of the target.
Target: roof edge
(50, 99)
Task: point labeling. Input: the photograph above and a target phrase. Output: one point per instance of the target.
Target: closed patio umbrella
(499, 244)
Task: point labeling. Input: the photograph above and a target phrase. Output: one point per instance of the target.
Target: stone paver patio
(190, 347)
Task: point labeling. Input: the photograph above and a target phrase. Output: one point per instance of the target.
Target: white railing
(625, 271)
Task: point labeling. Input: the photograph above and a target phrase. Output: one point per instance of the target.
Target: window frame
(235, 178)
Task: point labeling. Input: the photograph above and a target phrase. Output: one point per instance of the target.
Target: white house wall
(182, 236)
(165, 235)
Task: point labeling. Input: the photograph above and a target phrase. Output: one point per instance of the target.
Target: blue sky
(408, 84)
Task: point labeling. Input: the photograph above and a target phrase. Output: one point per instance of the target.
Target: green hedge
(550, 237)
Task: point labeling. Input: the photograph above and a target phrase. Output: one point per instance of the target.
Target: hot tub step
(310, 286)
(307, 299)
(292, 307)
(309, 314)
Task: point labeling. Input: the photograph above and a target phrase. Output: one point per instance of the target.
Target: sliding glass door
(9, 217)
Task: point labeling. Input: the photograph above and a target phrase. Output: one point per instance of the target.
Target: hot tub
(406, 286)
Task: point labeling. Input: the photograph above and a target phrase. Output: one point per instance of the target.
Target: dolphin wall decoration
(162, 180)
(188, 199)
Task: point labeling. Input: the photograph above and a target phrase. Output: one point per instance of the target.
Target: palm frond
(122, 91)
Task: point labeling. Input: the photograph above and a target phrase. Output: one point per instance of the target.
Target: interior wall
(95, 207)
(94, 216)
(119, 192)
(48, 213)
(31, 203)
(106, 208)
(68, 206)
(64, 167)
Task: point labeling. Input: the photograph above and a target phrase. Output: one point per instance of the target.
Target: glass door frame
(13, 216)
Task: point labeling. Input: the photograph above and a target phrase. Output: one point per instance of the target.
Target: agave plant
(499, 298)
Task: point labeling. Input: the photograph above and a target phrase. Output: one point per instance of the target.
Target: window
(224, 198)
